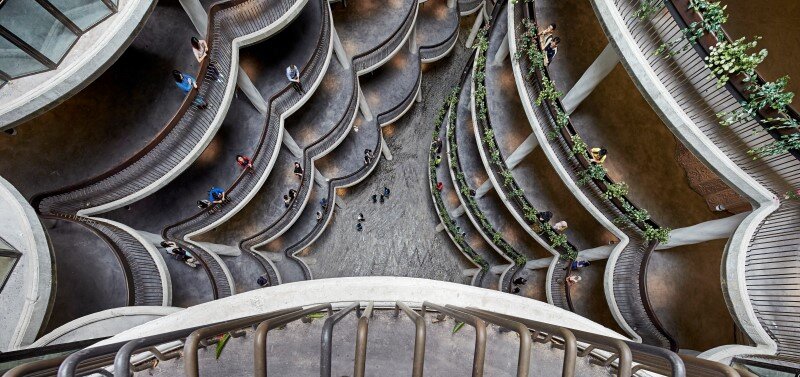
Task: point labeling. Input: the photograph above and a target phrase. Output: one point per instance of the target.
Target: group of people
(544, 217)
(549, 43)
(383, 196)
(187, 82)
(179, 253)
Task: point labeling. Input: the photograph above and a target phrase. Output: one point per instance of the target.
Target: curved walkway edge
(25, 297)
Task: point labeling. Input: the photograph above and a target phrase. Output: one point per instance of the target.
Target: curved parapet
(232, 25)
(95, 51)
(623, 278)
(281, 105)
(103, 324)
(25, 292)
(435, 40)
(372, 59)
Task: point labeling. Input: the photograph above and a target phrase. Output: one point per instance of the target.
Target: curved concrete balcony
(459, 228)
(682, 91)
(467, 7)
(103, 324)
(185, 137)
(437, 29)
(26, 285)
(281, 105)
(622, 277)
(94, 51)
(373, 32)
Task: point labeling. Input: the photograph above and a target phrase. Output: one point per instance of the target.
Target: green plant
(656, 234)
(781, 146)
(548, 91)
(223, 341)
(713, 17)
(616, 190)
(728, 59)
(772, 95)
(579, 147)
(647, 8)
(594, 171)
(457, 327)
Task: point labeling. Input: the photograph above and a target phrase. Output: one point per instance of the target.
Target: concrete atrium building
(399, 187)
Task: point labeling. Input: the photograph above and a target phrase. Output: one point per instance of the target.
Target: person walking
(286, 201)
(573, 279)
(368, 156)
(323, 203)
(437, 144)
(359, 227)
(520, 281)
(550, 49)
(244, 162)
(360, 217)
(298, 170)
(200, 49)
(544, 216)
(262, 281)
(179, 253)
(386, 191)
(293, 75)
(439, 186)
(547, 32)
(216, 195)
(292, 194)
(319, 216)
(437, 160)
(186, 83)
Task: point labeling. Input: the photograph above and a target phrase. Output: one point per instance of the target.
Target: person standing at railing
(179, 253)
(298, 170)
(216, 195)
(244, 162)
(293, 75)
(560, 226)
(368, 156)
(599, 155)
(550, 49)
(546, 32)
(186, 83)
(200, 49)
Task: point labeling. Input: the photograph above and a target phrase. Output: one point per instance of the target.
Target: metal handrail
(524, 358)
(360, 362)
(632, 302)
(260, 337)
(479, 356)
(419, 337)
(326, 341)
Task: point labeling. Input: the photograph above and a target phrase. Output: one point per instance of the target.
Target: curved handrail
(266, 148)
(466, 7)
(679, 9)
(367, 60)
(181, 136)
(310, 153)
(629, 297)
(142, 276)
(433, 51)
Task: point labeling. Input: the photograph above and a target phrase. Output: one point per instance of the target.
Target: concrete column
(320, 178)
(705, 231)
(451, 3)
(412, 40)
(197, 14)
(591, 78)
(475, 28)
(385, 149)
(485, 187)
(289, 142)
(439, 227)
(250, 91)
(341, 55)
(502, 51)
(524, 149)
(364, 106)
(458, 211)
(593, 254)
(419, 94)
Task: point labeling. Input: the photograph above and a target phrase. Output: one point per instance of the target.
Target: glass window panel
(15, 62)
(84, 13)
(37, 27)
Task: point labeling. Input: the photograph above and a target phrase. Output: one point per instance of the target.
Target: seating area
(625, 170)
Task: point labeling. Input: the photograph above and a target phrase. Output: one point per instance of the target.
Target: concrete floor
(588, 296)
(435, 21)
(129, 103)
(363, 25)
(777, 22)
(690, 274)
(76, 250)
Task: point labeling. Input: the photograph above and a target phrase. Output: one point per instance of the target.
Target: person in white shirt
(200, 49)
(293, 75)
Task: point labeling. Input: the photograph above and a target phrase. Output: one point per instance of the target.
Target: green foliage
(769, 95)
(548, 91)
(647, 8)
(728, 59)
(616, 190)
(223, 341)
(579, 147)
(714, 17)
(594, 171)
(781, 146)
(656, 234)
(459, 325)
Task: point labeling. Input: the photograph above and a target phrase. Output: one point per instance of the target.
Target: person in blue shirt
(216, 195)
(186, 83)
(293, 75)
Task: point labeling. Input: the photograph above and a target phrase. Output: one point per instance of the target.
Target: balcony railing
(629, 280)
(139, 355)
(369, 60)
